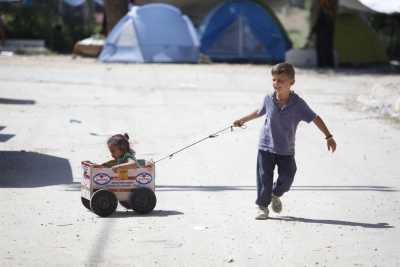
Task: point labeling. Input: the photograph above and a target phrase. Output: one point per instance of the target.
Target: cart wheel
(143, 200)
(85, 202)
(103, 203)
(125, 204)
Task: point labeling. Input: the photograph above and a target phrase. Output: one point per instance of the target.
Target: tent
(380, 6)
(74, 3)
(152, 33)
(242, 30)
(356, 42)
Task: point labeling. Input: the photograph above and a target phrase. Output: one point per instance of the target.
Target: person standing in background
(323, 19)
(2, 31)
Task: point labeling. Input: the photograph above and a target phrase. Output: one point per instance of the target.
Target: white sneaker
(262, 213)
(276, 204)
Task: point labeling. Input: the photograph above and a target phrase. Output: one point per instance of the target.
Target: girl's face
(115, 151)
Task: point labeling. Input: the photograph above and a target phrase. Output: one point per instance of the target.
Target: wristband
(329, 137)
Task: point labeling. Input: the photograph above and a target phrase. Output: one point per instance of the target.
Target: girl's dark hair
(121, 141)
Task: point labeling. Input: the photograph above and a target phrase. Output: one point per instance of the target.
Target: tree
(114, 10)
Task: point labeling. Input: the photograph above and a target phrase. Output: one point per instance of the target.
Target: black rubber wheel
(85, 203)
(143, 200)
(103, 203)
(125, 204)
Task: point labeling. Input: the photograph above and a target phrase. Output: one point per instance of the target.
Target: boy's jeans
(266, 162)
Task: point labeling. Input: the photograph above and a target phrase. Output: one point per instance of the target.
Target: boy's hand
(238, 123)
(331, 144)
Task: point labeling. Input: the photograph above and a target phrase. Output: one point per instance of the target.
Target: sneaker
(276, 204)
(262, 213)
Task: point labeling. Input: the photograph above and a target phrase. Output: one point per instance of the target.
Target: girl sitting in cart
(124, 156)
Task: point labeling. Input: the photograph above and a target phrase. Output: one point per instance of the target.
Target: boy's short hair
(283, 68)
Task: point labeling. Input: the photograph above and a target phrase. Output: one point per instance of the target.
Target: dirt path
(343, 209)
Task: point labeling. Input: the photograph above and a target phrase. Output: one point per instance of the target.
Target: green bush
(29, 22)
(42, 21)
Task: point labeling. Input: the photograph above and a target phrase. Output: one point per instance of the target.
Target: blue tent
(152, 33)
(74, 3)
(242, 30)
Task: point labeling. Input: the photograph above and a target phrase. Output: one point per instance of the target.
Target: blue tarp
(152, 33)
(242, 30)
(74, 3)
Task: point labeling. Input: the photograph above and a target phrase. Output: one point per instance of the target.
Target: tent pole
(240, 35)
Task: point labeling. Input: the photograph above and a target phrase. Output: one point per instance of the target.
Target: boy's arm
(254, 115)
(330, 142)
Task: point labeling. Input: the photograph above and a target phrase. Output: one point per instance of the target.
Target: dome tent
(152, 33)
(356, 43)
(355, 40)
(242, 30)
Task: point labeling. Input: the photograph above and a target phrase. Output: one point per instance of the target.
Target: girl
(124, 156)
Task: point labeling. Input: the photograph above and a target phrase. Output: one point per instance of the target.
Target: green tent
(356, 43)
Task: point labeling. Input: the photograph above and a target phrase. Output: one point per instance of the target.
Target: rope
(213, 135)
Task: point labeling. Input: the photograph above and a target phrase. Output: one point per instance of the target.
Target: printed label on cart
(101, 178)
(123, 174)
(144, 178)
(85, 182)
(117, 183)
(85, 193)
(86, 172)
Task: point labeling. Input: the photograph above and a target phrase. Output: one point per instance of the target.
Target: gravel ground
(343, 209)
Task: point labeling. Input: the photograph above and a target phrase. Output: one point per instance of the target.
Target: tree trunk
(114, 11)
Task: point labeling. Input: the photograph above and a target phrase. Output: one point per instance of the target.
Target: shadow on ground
(154, 213)
(344, 188)
(294, 188)
(332, 222)
(218, 188)
(5, 137)
(30, 169)
(11, 101)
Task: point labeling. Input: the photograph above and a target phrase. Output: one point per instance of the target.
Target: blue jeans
(266, 162)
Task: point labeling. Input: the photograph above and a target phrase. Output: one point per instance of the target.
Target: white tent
(383, 6)
(380, 6)
(152, 33)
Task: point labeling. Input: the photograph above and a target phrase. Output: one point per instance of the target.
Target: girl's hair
(121, 141)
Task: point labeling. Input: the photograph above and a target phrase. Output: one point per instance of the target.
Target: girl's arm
(254, 115)
(109, 163)
(330, 142)
(131, 164)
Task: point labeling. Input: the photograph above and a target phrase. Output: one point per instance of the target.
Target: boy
(284, 109)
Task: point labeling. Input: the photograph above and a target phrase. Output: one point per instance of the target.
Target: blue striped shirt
(279, 130)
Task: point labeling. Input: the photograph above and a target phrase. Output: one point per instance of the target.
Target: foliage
(60, 30)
